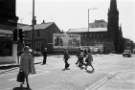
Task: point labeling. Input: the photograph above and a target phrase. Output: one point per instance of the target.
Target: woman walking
(27, 65)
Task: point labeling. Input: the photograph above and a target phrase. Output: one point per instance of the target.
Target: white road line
(102, 81)
(97, 84)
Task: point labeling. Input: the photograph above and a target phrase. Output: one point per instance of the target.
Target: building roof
(37, 26)
(86, 30)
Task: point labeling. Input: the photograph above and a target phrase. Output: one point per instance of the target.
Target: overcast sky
(74, 13)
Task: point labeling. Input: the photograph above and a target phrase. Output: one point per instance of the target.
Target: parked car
(127, 53)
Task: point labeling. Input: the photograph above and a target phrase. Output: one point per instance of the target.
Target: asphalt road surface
(112, 72)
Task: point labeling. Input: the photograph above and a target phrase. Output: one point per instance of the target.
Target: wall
(10, 59)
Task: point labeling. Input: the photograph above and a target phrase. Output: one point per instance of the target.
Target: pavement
(9, 67)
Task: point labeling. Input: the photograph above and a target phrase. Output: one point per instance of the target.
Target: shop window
(5, 48)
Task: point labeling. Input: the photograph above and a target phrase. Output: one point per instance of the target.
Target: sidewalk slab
(9, 66)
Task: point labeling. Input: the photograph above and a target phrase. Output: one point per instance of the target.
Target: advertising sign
(66, 40)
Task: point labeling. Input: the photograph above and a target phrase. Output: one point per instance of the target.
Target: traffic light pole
(88, 20)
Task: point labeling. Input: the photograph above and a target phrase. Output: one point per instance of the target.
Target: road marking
(102, 81)
(97, 84)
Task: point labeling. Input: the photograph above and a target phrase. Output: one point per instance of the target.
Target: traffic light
(21, 35)
(15, 35)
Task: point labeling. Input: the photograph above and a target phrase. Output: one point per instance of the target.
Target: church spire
(113, 25)
(113, 5)
(113, 16)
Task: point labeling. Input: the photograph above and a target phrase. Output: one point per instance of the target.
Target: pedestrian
(77, 55)
(89, 60)
(66, 58)
(27, 65)
(44, 53)
(85, 52)
(80, 59)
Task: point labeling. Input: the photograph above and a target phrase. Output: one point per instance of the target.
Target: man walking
(80, 59)
(66, 57)
(44, 53)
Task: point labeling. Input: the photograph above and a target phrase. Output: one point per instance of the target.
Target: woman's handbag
(21, 76)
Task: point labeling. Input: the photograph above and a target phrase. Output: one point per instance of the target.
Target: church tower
(113, 19)
(8, 12)
(113, 25)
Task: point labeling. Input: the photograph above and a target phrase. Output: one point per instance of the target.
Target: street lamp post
(88, 20)
(33, 23)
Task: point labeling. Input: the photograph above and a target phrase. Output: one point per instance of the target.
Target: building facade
(8, 12)
(95, 37)
(100, 33)
(43, 35)
(8, 22)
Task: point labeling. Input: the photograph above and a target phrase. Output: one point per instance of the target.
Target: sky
(74, 13)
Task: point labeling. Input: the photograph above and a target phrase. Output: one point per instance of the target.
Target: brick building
(43, 35)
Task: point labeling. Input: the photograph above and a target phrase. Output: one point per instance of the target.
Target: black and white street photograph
(67, 45)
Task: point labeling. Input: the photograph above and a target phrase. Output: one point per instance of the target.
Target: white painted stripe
(97, 84)
(102, 81)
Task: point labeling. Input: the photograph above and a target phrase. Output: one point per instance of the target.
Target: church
(106, 36)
